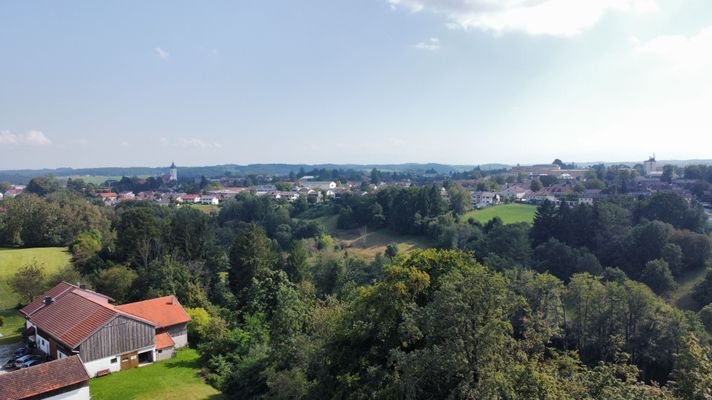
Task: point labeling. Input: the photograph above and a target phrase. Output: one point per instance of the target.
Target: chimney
(170, 301)
(48, 300)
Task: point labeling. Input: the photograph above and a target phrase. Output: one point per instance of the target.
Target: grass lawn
(509, 213)
(52, 258)
(682, 296)
(176, 378)
(12, 324)
(206, 208)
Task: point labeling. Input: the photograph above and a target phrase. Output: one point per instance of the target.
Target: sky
(146, 83)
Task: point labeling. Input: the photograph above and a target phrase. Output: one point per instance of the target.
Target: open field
(682, 296)
(206, 208)
(509, 213)
(176, 378)
(52, 258)
(12, 324)
(368, 243)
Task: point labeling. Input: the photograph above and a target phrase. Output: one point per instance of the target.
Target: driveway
(6, 353)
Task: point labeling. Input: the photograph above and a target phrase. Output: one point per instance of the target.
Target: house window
(114, 360)
(160, 351)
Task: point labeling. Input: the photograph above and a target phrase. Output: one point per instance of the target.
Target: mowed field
(177, 378)
(509, 213)
(51, 258)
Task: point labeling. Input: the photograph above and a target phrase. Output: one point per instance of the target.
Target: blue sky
(87, 83)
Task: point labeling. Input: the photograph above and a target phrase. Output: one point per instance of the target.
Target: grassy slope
(682, 296)
(369, 243)
(53, 258)
(509, 213)
(176, 378)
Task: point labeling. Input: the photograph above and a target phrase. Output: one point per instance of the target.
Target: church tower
(174, 172)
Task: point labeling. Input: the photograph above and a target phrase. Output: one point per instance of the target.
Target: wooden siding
(121, 335)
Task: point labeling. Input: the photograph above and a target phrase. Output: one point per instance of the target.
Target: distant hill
(21, 176)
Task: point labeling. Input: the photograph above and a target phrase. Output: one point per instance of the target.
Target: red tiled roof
(164, 340)
(162, 311)
(76, 315)
(107, 194)
(58, 291)
(43, 378)
(72, 318)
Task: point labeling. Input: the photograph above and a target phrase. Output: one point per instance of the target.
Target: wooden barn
(70, 320)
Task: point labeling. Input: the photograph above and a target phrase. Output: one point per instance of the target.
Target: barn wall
(119, 336)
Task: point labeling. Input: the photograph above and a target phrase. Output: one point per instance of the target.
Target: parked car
(21, 351)
(23, 359)
(10, 364)
(32, 362)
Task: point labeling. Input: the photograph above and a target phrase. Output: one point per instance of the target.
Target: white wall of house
(103, 363)
(163, 354)
(106, 363)
(179, 334)
(42, 344)
(78, 394)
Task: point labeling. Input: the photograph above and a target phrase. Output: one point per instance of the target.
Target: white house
(485, 199)
(210, 200)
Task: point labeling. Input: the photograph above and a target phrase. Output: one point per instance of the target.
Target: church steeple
(174, 172)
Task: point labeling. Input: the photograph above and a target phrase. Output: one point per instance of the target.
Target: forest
(573, 306)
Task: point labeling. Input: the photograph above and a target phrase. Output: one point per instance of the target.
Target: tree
(391, 251)
(250, 256)
(546, 223)
(297, 267)
(536, 185)
(658, 277)
(460, 199)
(705, 315)
(668, 172)
(116, 282)
(28, 281)
(692, 373)
(43, 185)
(548, 180)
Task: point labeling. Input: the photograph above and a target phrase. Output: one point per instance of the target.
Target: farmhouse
(69, 320)
(64, 379)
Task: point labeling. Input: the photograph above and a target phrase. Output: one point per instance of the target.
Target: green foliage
(692, 374)
(250, 257)
(28, 281)
(658, 277)
(43, 185)
(116, 282)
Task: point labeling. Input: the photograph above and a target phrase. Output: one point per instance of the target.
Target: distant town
(557, 182)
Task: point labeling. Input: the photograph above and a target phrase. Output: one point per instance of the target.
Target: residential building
(64, 379)
(210, 200)
(70, 320)
(485, 199)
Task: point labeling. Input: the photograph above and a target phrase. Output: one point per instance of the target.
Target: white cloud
(683, 53)
(432, 44)
(536, 17)
(162, 53)
(29, 138)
